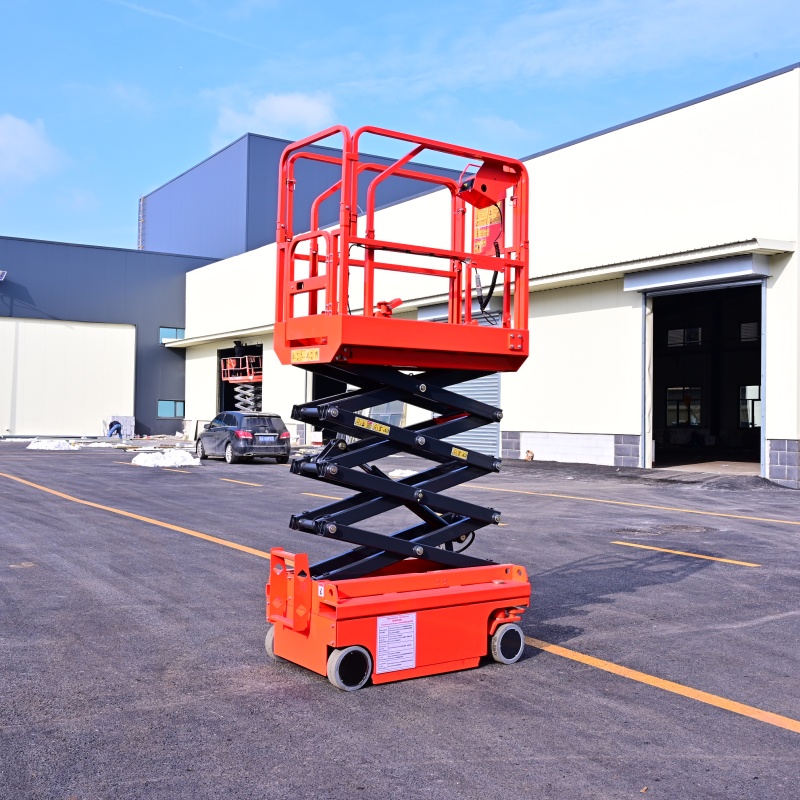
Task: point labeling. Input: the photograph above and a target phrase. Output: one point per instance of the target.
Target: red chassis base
(407, 621)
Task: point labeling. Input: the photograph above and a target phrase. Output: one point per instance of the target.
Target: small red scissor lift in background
(409, 602)
(245, 373)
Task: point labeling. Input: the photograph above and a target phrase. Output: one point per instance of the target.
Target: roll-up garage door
(64, 378)
(487, 438)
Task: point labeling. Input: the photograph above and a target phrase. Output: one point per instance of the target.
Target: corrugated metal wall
(486, 439)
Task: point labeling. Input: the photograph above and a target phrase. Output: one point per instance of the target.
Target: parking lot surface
(661, 658)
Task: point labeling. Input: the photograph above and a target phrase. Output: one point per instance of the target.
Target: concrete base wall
(783, 462)
(613, 450)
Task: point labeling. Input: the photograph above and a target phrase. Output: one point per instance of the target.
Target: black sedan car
(234, 435)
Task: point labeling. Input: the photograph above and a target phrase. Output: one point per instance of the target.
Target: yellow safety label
(376, 427)
(305, 355)
(456, 453)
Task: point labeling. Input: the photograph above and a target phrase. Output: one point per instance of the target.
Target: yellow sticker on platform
(305, 355)
(376, 427)
(456, 453)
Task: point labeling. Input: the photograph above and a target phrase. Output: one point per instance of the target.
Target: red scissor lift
(245, 373)
(403, 602)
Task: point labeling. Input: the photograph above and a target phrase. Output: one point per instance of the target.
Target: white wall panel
(574, 448)
(714, 172)
(584, 371)
(783, 350)
(64, 378)
(232, 295)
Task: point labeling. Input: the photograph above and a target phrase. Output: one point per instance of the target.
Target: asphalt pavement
(662, 655)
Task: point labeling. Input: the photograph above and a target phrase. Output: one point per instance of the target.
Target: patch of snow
(166, 458)
(401, 473)
(52, 444)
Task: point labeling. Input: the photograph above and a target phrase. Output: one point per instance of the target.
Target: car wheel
(201, 452)
(282, 459)
(230, 456)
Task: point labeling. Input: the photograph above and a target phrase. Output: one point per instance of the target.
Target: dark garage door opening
(707, 376)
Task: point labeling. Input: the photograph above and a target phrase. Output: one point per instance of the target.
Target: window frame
(175, 404)
(681, 404)
(180, 333)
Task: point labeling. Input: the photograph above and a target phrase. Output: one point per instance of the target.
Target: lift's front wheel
(269, 644)
(507, 643)
(349, 668)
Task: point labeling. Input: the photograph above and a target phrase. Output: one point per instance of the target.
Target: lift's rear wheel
(349, 668)
(201, 451)
(230, 456)
(507, 643)
(282, 459)
(269, 644)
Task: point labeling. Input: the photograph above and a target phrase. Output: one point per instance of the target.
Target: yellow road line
(129, 463)
(188, 531)
(638, 505)
(669, 686)
(325, 496)
(691, 555)
(244, 483)
(170, 469)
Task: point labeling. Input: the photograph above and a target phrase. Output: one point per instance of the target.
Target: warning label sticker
(397, 643)
(377, 427)
(304, 355)
(487, 227)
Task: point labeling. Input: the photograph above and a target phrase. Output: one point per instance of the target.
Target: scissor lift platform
(409, 602)
(409, 344)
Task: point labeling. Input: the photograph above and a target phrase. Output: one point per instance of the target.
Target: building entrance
(239, 378)
(707, 384)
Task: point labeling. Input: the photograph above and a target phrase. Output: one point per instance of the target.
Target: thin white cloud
(283, 115)
(154, 12)
(26, 153)
(579, 40)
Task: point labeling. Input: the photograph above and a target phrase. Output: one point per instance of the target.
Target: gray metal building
(227, 204)
(93, 289)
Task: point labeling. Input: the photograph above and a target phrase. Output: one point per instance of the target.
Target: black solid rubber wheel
(282, 459)
(349, 668)
(507, 643)
(201, 451)
(230, 456)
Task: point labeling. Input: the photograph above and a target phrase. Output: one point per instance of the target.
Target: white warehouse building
(664, 294)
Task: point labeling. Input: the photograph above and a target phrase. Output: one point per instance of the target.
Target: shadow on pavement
(578, 588)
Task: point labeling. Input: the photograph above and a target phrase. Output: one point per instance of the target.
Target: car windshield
(271, 424)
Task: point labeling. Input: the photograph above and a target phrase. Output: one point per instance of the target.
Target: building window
(749, 406)
(171, 408)
(748, 332)
(165, 334)
(683, 406)
(684, 337)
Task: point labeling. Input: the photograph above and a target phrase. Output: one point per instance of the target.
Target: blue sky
(102, 101)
